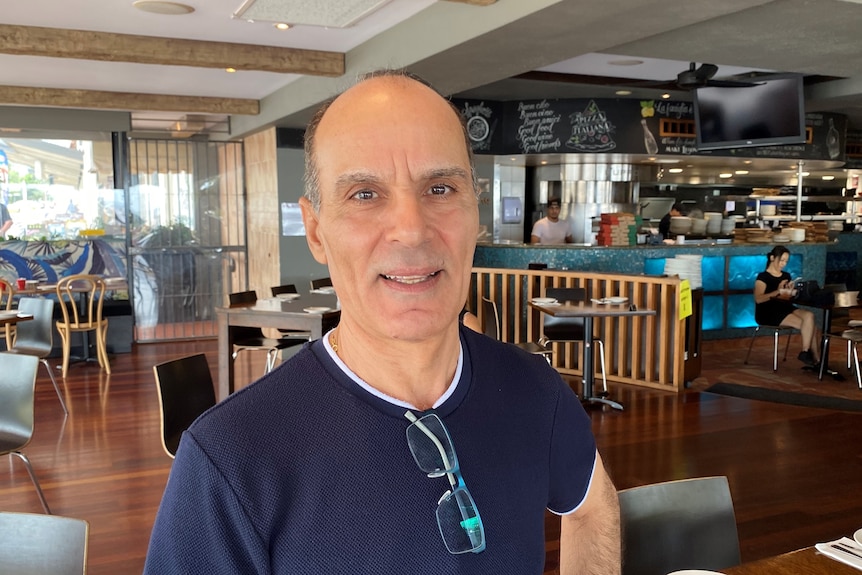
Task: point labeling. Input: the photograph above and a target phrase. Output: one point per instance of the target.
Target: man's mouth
(410, 280)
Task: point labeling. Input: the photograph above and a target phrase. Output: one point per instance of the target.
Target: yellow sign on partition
(684, 299)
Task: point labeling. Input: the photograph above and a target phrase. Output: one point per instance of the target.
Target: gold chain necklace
(333, 341)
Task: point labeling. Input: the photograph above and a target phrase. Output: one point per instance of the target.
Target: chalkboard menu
(599, 126)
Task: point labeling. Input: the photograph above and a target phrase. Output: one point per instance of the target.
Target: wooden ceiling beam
(127, 101)
(110, 47)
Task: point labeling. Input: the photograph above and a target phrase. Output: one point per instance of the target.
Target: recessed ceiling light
(163, 7)
(805, 174)
(623, 92)
(741, 172)
(675, 170)
(665, 96)
(725, 175)
(827, 178)
(230, 70)
(747, 162)
(629, 62)
(282, 25)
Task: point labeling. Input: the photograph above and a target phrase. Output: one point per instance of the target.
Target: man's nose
(408, 219)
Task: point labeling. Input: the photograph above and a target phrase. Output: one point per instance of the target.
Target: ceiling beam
(100, 100)
(109, 47)
(476, 2)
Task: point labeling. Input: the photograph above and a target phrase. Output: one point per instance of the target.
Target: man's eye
(439, 189)
(364, 195)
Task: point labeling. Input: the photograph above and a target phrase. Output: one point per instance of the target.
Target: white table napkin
(832, 550)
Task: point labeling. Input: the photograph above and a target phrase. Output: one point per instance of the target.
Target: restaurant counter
(728, 270)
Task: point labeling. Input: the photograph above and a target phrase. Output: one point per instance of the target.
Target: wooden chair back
(7, 301)
(81, 298)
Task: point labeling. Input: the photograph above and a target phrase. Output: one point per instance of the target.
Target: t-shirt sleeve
(573, 455)
(200, 526)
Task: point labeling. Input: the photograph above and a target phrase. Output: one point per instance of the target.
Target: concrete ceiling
(463, 49)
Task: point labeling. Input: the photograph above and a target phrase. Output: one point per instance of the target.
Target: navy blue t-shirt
(305, 471)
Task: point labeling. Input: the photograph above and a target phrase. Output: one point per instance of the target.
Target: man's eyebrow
(453, 172)
(353, 178)
(362, 177)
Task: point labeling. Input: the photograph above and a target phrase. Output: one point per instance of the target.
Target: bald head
(394, 96)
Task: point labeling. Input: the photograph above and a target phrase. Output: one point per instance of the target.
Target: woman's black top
(773, 311)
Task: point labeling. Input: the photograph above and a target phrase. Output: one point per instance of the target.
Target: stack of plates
(727, 226)
(698, 226)
(713, 222)
(687, 267)
(680, 225)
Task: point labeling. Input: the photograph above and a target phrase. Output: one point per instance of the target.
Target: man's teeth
(409, 279)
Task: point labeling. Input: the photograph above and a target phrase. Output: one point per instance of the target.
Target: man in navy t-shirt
(401, 441)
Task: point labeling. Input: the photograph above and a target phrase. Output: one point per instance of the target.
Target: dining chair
(776, 331)
(570, 329)
(36, 337)
(295, 333)
(491, 328)
(34, 543)
(7, 301)
(17, 388)
(321, 283)
(683, 524)
(247, 338)
(81, 297)
(185, 389)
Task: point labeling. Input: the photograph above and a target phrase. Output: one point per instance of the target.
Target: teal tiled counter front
(728, 271)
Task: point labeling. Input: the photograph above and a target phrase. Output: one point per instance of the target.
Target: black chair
(491, 328)
(36, 336)
(294, 333)
(563, 329)
(684, 524)
(321, 283)
(185, 388)
(776, 330)
(17, 390)
(252, 338)
(34, 543)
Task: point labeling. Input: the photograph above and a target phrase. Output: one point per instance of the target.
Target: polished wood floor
(795, 473)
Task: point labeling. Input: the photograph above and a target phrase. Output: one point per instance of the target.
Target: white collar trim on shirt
(389, 399)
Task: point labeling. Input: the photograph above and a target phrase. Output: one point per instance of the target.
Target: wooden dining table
(807, 561)
(291, 315)
(588, 310)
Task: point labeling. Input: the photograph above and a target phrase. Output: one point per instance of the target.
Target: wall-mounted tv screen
(769, 113)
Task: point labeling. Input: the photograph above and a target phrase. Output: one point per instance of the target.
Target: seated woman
(770, 309)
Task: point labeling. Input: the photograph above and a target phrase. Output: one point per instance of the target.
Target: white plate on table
(544, 300)
(8, 314)
(857, 537)
(329, 290)
(610, 300)
(316, 309)
(288, 296)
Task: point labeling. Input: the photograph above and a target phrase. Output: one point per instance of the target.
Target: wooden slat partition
(646, 351)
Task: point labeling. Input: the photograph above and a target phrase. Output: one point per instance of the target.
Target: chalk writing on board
(536, 131)
(591, 130)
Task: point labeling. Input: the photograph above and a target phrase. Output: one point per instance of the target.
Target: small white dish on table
(316, 309)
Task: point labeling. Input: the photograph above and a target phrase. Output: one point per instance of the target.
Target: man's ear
(310, 219)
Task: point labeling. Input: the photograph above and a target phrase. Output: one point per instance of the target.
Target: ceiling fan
(702, 76)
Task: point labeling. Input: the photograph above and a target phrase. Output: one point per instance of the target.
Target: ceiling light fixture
(163, 7)
(741, 172)
(623, 92)
(675, 170)
(725, 175)
(665, 96)
(230, 70)
(282, 25)
(805, 174)
(827, 178)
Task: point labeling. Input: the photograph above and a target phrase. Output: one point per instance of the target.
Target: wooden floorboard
(795, 473)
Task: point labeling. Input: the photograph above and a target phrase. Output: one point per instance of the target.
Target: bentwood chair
(684, 524)
(81, 298)
(491, 328)
(252, 338)
(563, 329)
(6, 304)
(42, 544)
(185, 388)
(17, 390)
(36, 337)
